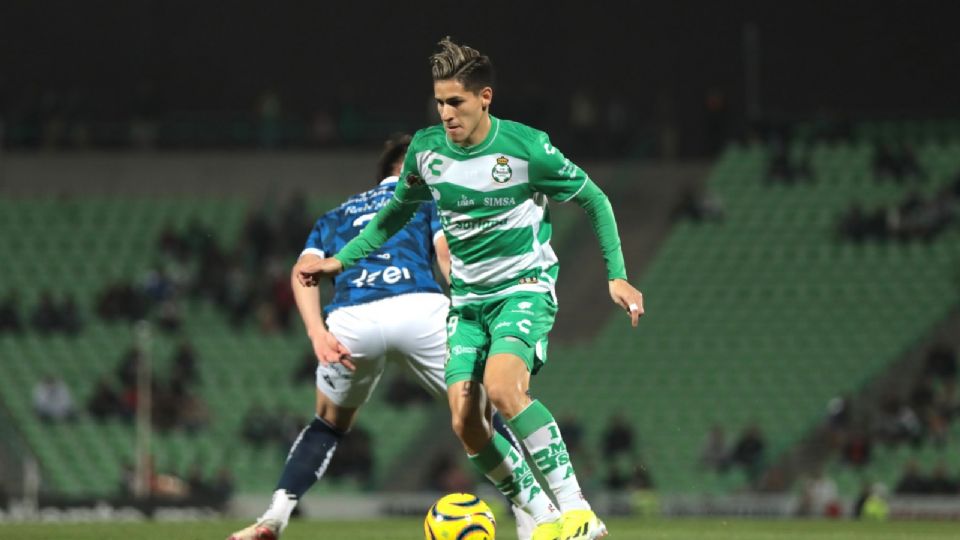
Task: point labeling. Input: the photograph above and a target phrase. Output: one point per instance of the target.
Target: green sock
(509, 472)
(538, 431)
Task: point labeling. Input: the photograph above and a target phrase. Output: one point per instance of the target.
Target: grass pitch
(411, 529)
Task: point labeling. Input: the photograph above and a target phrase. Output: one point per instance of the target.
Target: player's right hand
(311, 269)
(329, 350)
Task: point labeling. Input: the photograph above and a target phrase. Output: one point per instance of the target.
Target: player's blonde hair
(463, 64)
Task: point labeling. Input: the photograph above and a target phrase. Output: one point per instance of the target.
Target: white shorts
(415, 325)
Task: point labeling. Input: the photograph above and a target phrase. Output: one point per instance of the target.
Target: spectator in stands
(715, 453)
(748, 451)
(105, 401)
(257, 425)
(699, 206)
(940, 482)
(222, 486)
(898, 423)
(912, 482)
(446, 475)
(121, 301)
(10, 313)
(52, 400)
(617, 478)
(782, 169)
(858, 224)
(70, 321)
(46, 317)
(193, 413)
(572, 431)
(857, 448)
(820, 496)
(618, 437)
(947, 402)
(306, 370)
(185, 364)
(941, 362)
(354, 458)
(896, 162)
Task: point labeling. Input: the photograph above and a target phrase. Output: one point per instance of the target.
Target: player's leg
(340, 394)
(418, 330)
(493, 455)
(518, 348)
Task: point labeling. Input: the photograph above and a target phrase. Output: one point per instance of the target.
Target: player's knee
(506, 396)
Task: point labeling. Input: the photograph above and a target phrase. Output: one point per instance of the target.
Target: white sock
(280, 508)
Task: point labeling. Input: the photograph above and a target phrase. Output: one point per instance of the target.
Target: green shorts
(517, 324)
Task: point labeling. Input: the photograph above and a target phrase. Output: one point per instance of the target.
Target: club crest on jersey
(501, 171)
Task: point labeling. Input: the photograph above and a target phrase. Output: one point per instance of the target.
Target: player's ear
(486, 96)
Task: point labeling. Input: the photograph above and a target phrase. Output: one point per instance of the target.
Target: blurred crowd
(48, 316)
(916, 216)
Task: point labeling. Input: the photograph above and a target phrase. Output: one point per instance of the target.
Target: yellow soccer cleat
(547, 531)
(582, 525)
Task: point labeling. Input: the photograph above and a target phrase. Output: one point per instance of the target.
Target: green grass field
(410, 529)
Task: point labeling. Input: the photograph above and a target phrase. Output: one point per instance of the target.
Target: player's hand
(330, 351)
(310, 270)
(627, 297)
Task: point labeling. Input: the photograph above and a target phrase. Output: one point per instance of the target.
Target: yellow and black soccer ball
(460, 516)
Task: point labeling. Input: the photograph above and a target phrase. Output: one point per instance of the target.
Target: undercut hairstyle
(393, 151)
(462, 64)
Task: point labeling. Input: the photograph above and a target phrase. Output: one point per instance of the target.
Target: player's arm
(411, 191)
(443, 254)
(440, 246)
(326, 347)
(562, 180)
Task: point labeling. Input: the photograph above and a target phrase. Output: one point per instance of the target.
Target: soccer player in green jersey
(491, 180)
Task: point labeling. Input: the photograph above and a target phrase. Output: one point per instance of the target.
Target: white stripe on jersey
(472, 173)
(526, 214)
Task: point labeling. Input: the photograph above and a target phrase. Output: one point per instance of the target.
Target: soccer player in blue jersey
(388, 301)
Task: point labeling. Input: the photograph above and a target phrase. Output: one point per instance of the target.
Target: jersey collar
(468, 150)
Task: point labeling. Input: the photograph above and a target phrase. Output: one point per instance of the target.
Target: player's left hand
(310, 269)
(628, 297)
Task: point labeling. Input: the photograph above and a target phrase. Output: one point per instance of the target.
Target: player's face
(463, 113)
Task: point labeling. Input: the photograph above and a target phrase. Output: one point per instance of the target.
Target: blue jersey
(401, 266)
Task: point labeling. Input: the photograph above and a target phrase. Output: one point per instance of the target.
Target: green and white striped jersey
(492, 200)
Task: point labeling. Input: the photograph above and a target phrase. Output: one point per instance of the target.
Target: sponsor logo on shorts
(525, 305)
(461, 349)
(501, 325)
(524, 311)
(529, 280)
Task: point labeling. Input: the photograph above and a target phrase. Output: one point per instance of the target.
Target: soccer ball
(460, 516)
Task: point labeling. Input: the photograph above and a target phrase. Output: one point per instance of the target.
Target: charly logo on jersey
(501, 171)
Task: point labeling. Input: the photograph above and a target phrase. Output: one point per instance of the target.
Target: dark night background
(348, 72)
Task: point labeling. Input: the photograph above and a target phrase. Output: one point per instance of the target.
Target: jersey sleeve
(411, 188)
(553, 174)
(597, 206)
(320, 241)
(435, 227)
